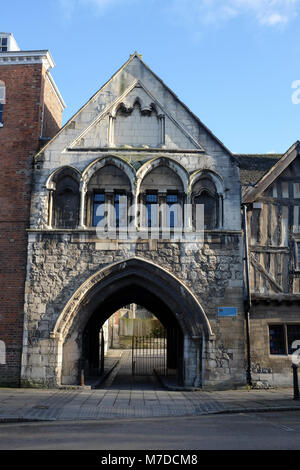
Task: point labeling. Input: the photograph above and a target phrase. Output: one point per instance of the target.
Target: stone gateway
(134, 200)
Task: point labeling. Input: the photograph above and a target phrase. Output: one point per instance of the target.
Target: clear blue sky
(231, 62)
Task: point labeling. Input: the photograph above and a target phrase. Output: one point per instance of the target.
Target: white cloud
(274, 19)
(265, 12)
(98, 6)
(98, 3)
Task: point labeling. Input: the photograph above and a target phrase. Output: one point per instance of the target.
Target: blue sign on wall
(227, 311)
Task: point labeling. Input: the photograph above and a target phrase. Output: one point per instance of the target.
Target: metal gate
(149, 353)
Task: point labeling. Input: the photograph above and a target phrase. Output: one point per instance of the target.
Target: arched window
(109, 196)
(66, 200)
(2, 101)
(161, 194)
(204, 193)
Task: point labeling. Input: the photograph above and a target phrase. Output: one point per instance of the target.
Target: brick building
(106, 214)
(30, 114)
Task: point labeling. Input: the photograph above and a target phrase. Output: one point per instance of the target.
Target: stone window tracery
(151, 200)
(66, 203)
(108, 198)
(99, 209)
(161, 195)
(204, 193)
(172, 210)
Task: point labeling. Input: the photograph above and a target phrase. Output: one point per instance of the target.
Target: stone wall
(60, 263)
(194, 278)
(270, 370)
(137, 129)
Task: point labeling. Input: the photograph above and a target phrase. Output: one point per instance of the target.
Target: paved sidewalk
(123, 396)
(49, 405)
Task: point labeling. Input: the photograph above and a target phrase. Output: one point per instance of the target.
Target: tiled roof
(254, 166)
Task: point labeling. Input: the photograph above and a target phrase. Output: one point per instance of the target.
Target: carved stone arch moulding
(178, 169)
(214, 200)
(184, 304)
(136, 95)
(128, 107)
(60, 172)
(215, 177)
(99, 163)
(73, 186)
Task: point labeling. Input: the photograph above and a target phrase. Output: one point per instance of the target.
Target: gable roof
(270, 176)
(129, 103)
(138, 56)
(184, 105)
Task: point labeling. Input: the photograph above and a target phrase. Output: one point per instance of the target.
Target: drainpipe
(247, 299)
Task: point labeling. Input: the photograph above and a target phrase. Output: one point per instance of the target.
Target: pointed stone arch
(178, 169)
(207, 188)
(63, 187)
(146, 106)
(109, 287)
(186, 307)
(100, 162)
(66, 169)
(215, 177)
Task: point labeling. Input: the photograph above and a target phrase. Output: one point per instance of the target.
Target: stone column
(109, 217)
(83, 191)
(133, 211)
(187, 216)
(220, 211)
(50, 208)
(111, 123)
(161, 118)
(132, 219)
(209, 364)
(56, 357)
(142, 219)
(181, 214)
(192, 361)
(162, 215)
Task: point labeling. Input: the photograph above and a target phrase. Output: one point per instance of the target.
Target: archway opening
(144, 283)
(139, 323)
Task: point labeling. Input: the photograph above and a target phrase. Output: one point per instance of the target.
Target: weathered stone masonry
(72, 271)
(61, 263)
(135, 138)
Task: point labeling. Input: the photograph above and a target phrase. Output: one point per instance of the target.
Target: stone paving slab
(123, 396)
(48, 405)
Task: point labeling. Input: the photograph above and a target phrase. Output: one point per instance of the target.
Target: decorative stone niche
(138, 127)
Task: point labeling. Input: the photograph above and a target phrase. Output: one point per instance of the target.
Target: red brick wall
(52, 110)
(19, 141)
